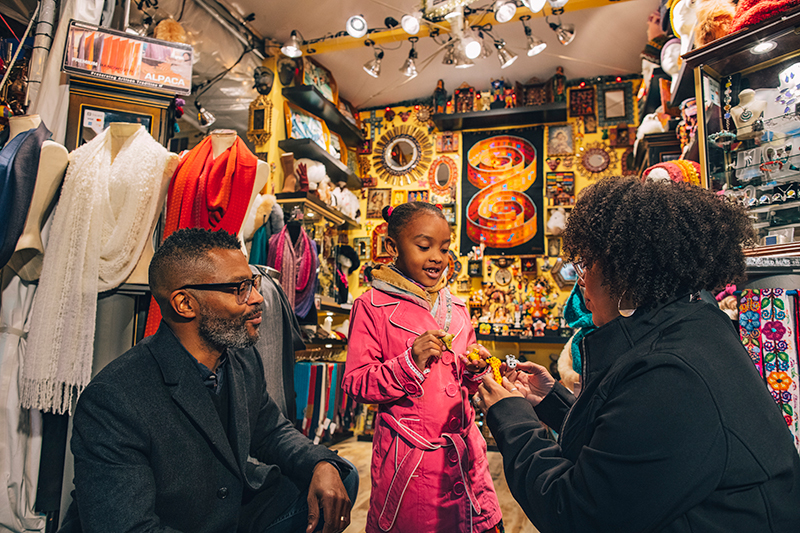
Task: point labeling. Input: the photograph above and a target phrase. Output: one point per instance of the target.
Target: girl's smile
(420, 251)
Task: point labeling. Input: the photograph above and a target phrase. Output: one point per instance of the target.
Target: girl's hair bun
(386, 212)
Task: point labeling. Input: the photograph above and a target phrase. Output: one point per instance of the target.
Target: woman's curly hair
(657, 240)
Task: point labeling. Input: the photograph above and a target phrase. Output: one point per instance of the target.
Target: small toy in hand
(494, 362)
(511, 361)
(448, 341)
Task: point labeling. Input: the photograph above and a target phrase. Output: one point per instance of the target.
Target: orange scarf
(208, 193)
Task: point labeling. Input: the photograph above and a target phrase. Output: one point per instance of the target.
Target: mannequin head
(671, 57)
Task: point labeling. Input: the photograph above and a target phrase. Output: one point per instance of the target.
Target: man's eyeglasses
(242, 288)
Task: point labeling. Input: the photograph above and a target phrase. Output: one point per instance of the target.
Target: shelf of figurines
(335, 169)
(502, 118)
(310, 203)
(516, 335)
(310, 99)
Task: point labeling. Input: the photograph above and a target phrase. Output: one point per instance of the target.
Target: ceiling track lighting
(449, 55)
(356, 26)
(373, 66)
(564, 32)
(534, 5)
(535, 45)
(410, 23)
(505, 56)
(409, 68)
(504, 10)
(557, 4)
(292, 47)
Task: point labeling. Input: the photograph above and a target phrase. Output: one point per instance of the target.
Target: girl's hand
(490, 392)
(532, 380)
(426, 347)
(479, 364)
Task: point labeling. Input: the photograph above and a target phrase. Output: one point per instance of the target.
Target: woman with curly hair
(673, 431)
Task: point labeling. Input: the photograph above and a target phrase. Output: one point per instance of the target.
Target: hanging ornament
(724, 138)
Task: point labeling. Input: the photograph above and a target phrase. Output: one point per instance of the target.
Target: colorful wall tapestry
(502, 189)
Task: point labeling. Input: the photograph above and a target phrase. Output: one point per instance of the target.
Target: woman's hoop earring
(624, 312)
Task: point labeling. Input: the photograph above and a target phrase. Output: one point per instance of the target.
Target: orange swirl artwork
(502, 213)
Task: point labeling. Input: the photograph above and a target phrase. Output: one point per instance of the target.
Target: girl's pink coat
(380, 370)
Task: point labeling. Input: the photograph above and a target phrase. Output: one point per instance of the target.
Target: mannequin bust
(671, 58)
(221, 140)
(683, 17)
(746, 113)
(29, 252)
(120, 131)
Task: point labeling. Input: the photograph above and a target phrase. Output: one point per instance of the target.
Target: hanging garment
(20, 429)
(298, 264)
(19, 165)
(102, 221)
(210, 193)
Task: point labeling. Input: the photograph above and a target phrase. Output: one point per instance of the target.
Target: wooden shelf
(501, 118)
(307, 200)
(310, 99)
(336, 170)
(332, 307)
(547, 339)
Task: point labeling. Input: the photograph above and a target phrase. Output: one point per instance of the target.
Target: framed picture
(581, 102)
(614, 104)
(564, 274)
(378, 244)
(418, 196)
(621, 136)
(534, 93)
(590, 124)
(449, 212)
(376, 200)
(365, 148)
(260, 126)
(447, 142)
(528, 264)
(369, 181)
(349, 112)
(475, 268)
(554, 246)
(399, 197)
(302, 125)
(315, 75)
(669, 156)
(560, 140)
(95, 119)
(382, 252)
(362, 247)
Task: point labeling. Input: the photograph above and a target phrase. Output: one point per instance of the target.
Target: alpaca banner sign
(503, 192)
(126, 58)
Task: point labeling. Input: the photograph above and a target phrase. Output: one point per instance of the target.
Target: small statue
(498, 100)
(509, 97)
(559, 85)
(439, 97)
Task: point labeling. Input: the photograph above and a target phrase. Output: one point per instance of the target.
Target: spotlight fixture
(534, 5)
(390, 22)
(204, 116)
(504, 10)
(535, 45)
(472, 46)
(409, 68)
(557, 4)
(486, 50)
(506, 56)
(564, 32)
(461, 59)
(449, 55)
(292, 47)
(373, 66)
(763, 47)
(410, 23)
(356, 26)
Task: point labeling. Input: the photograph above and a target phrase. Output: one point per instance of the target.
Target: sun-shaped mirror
(403, 154)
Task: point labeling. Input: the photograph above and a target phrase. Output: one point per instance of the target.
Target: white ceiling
(608, 42)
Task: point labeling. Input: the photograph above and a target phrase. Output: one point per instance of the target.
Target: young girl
(429, 468)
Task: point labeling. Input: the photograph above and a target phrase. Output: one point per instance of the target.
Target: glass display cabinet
(749, 125)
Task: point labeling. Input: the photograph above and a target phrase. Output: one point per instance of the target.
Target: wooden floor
(359, 453)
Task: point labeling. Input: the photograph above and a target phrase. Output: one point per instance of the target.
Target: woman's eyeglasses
(242, 288)
(579, 270)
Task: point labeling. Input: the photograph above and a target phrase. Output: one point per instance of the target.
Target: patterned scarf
(297, 263)
(391, 281)
(768, 329)
(207, 192)
(102, 221)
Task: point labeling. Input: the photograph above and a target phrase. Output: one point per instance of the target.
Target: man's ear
(183, 304)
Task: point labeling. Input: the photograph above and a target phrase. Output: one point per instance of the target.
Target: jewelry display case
(749, 125)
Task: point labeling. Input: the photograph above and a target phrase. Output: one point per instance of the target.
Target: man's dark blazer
(151, 453)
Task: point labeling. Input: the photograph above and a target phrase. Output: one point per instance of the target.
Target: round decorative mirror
(402, 154)
(597, 160)
(443, 175)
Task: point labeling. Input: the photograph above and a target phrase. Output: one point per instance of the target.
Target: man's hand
(327, 492)
(426, 346)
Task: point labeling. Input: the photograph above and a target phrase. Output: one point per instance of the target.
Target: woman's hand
(479, 364)
(427, 346)
(490, 392)
(532, 380)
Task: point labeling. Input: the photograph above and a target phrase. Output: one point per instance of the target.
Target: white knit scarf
(100, 226)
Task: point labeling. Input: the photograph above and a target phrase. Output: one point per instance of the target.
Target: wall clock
(502, 276)
(403, 154)
(597, 160)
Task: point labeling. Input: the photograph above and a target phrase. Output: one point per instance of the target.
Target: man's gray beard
(224, 333)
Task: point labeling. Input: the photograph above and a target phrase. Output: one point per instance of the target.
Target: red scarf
(210, 193)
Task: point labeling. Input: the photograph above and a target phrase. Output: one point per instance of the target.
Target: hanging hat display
(652, 50)
(751, 12)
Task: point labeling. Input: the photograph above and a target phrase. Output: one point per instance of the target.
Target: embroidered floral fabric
(768, 328)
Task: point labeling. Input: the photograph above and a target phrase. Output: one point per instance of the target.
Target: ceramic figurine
(439, 98)
(559, 85)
